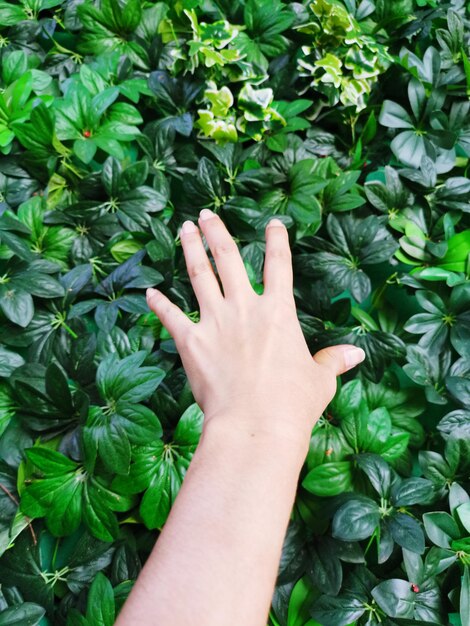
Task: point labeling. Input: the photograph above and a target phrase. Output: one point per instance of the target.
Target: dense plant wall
(119, 119)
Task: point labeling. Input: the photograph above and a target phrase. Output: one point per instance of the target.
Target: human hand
(247, 360)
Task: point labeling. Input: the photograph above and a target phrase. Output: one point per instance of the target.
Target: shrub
(120, 119)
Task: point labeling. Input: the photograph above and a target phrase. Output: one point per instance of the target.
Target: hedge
(348, 120)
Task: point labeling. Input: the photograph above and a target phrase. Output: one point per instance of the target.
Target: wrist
(271, 435)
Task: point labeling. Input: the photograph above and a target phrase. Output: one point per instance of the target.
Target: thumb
(340, 358)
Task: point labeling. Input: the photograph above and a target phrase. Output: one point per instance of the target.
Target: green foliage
(348, 120)
(343, 60)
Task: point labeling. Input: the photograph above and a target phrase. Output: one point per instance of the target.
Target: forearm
(216, 561)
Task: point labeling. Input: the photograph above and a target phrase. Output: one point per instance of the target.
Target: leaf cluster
(346, 119)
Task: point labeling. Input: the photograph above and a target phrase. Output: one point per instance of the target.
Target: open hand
(247, 360)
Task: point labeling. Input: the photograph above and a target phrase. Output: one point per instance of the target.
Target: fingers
(201, 273)
(230, 267)
(171, 316)
(340, 358)
(278, 274)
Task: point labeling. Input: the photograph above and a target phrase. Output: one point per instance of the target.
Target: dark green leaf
(339, 611)
(27, 614)
(356, 520)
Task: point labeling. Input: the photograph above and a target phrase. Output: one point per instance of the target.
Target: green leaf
(302, 204)
(393, 115)
(110, 175)
(465, 597)
(324, 567)
(395, 446)
(159, 469)
(105, 436)
(329, 479)
(11, 14)
(97, 514)
(100, 603)
(15, 65)
(375, 433)
(58, 499)
(189, 427)
(125, 380)
(89, 556)
(57, 388)
(51, 462)
(17, 305)
(20, 91)
(110, 434)
(409, 148)
(340, 611)
(407, 532)
(23, 567)
(9, 361)
(440, 528)
(26, 614)
(67, 493)
(85, 149)
(414, 566)
(463, 512)
(348, 398)
(102, 101)
(457, 496)
(395, 597)
(299, 603)
(356, 520)
(377, 471)
(75, 619)
(135, 175)
(413, 491)
(159, 496)
(141, 201)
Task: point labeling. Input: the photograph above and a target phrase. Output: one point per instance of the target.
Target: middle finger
(230, 266)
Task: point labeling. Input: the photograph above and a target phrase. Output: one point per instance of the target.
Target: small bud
(329, 452)
(87, 133)
(414, 588)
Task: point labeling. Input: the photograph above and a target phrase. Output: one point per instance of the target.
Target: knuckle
(165, 311)
(189, 239)
(223, 248)
(327, 365)
(279, 252)
(282, 308)
(287, 301)
(167, 314)
(330, 353)
(190, 342)
(196, 269)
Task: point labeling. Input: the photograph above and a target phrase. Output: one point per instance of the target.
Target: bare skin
(215, 562)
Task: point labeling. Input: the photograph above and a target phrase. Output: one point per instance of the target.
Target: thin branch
(12, 497)
(9, 494)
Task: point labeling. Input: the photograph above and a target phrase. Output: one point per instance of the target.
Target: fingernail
(151, 293)
(353, 356)
(188, 227)
(275, 222)
(206, 214)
